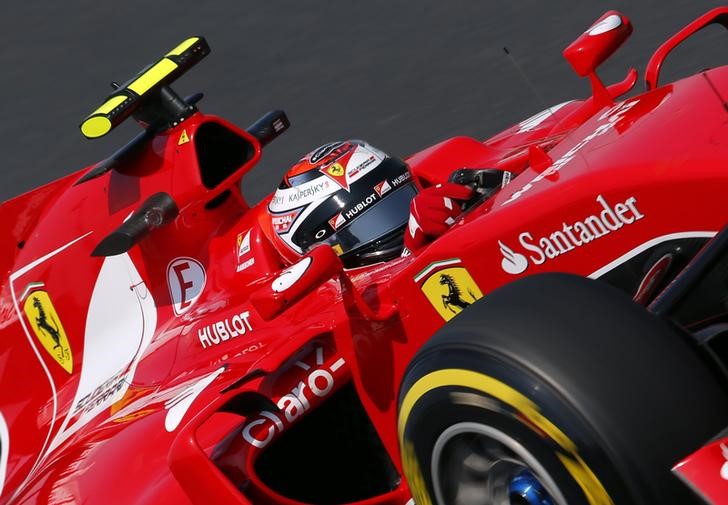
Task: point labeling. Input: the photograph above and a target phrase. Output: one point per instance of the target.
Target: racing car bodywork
(157, 349)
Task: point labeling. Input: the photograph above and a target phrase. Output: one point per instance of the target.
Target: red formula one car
(157, 348)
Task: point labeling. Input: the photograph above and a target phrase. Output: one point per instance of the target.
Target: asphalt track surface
(402, 75)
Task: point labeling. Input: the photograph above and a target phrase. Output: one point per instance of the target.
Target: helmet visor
(389, 214)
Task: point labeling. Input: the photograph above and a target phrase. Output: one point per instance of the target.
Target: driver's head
(346, 194)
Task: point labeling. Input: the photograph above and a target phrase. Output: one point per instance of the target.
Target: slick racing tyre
(555, 390)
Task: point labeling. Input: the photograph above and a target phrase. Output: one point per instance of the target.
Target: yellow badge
(183, 139)
(448, 286)
(335, 170)
(46, 325)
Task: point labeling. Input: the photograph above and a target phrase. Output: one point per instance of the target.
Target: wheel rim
(474, 464)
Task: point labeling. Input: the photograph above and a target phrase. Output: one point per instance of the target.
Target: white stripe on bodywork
(40, 260)
(650, 243)
(180, 403)
(534, 121)
(4, 450)
(121, 320)
(31, 341)
(120, 323)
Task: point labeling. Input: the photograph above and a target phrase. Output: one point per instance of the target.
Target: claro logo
(319, 383)
(538, 250)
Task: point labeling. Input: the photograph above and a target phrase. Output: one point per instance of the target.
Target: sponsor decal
(259, 431)
(290, 275)
(279, 125)
(724, 467)
(401, 179)
(242, 248)
(613, 116)
(245, 265)
(186, 279)
(283, 222)
(448, 286)
(382, 187)
(335, 170)
(337, 221)
(303, 194)
(243, 243)
(338, 249)
(361, 166)
(362, 161)
(46, 324)
(222, 331)
(336, 173)
(359, 161)
(178, 405)
(101, 394)
(572, 235)
(605, 25)
(360, 206)
(513, 263)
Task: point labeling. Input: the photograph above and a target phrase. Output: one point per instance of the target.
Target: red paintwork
(598, 43)
(654, 163)
(706, 471)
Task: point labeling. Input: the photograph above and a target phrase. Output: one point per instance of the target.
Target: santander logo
(607, 218)
(724, 468)
(513, 263)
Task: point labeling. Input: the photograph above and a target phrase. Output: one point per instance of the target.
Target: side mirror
(296, 281)
(595, 46)
(598, 43)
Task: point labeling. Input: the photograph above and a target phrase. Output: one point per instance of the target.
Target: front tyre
(555, 390)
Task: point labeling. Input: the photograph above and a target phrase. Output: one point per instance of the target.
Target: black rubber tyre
(566, 376)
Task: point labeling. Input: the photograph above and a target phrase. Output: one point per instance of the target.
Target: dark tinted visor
(389, 214)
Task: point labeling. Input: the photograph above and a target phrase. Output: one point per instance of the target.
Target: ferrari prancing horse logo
(335, 170)
(44, 320)
(448, 286)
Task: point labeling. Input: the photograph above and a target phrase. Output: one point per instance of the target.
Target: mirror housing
(296, 281)
(593, 48)
(598, 43)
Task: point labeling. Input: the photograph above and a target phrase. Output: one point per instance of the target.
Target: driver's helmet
(349, 195)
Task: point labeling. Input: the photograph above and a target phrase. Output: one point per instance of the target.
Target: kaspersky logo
(606, 219)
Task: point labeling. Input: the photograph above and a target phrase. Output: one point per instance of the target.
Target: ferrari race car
(157, 349)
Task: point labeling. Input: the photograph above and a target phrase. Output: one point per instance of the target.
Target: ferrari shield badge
(45, 323)
(335, 170)
(448, 286)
